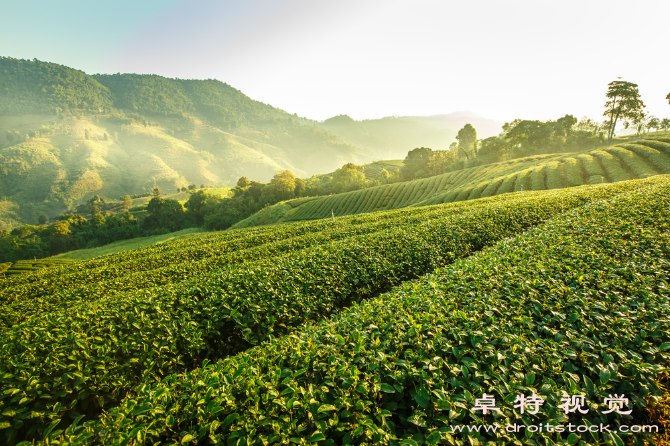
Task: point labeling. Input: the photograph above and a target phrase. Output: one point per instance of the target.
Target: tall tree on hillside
(639, 121)
(668, 98)
(467, 138)
(416, 163)
(624, 103)
(283, 184)
(349, 177)
(568, 122)
(665, 124)
(243, 182)
(653, 123)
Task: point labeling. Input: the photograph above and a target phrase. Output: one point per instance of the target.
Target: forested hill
(29, 87)
(66, 136)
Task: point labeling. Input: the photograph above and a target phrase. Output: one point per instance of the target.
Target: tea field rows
(624, 161)
(80, 339)
(577, 305)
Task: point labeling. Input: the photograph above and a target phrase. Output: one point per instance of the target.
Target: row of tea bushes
(576, 306)
(77, 361)
(45, 296)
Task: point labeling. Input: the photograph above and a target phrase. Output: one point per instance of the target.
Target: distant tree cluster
(70, 231)
(519, 138)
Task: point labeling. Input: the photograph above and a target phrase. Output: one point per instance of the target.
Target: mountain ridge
(66, 136)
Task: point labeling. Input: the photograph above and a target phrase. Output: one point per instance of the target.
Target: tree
(196, 205)
(300, 186)
(42, 219)
(416, 163)
(467, 138)
(349, 177)
(155, 205)
(653, 123)
(283, 185)
(567, 121)
(440, 162)
(243, 182)
(494, 149)
(639, 121)
(191, 187)
(126, 201)
(668, 98)
(665, 124)
(624, 103)
(157, 192)
(384, 176)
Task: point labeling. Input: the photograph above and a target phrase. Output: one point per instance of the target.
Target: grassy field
(204, 338)
(125, 245)
(633, 159)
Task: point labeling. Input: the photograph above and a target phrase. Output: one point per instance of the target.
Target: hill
(66, 136)
(303, 324)
(393, 137)
(622, 161)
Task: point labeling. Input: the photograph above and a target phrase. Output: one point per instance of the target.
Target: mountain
(392, 137)
(66, 136)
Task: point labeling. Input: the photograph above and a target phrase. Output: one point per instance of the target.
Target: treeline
(75, 231)
(249, 197)
(519, 138)
(69, 232)
(163, 215)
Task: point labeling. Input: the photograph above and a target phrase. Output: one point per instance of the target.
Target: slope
(66, 135)
(574, 306)
(103, 326)
(622, 161)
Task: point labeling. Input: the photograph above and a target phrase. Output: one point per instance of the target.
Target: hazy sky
(530, 59)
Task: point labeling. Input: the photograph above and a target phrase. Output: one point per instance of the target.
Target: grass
(269, 215)
(125, 245)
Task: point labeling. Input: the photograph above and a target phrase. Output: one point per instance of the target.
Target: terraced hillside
(89, 336)
(623, 161)
(295, 331)
(26, 266)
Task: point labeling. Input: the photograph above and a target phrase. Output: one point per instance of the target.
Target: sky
(527, 59)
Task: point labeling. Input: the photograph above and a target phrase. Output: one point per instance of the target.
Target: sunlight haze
(368, 59)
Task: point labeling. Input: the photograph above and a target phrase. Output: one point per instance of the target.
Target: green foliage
(467, 137)
(494, 149)
(71, 231)
(211, 314)
(531, 173)
(549, 312)
(623, 103)
(424, 162)
(41, 87)
(27, 266)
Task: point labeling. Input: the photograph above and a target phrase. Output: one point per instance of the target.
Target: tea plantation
(623, 161)
(380, 328)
